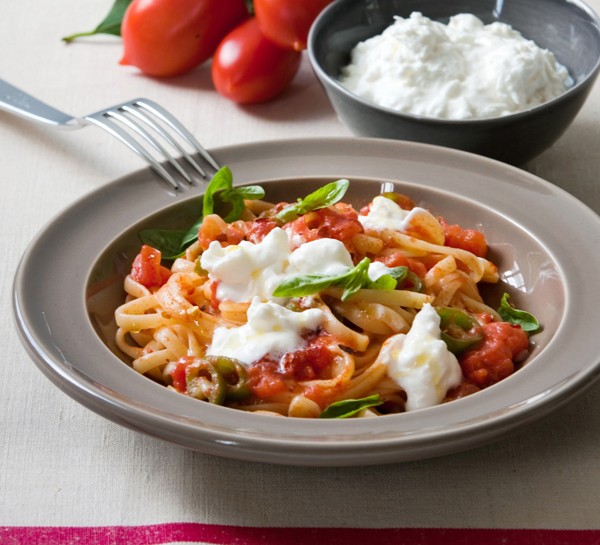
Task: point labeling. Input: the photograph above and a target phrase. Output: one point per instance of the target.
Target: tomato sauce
(339, 222)
(259, 228)
(269, 377)
(266, 380)
(147, 270)
(177, 374)
(396, 258)
(227, 235)
(466, 239)
(308, 362)
(493, 360)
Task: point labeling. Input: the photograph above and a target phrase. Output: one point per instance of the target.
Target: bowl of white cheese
(500, 79)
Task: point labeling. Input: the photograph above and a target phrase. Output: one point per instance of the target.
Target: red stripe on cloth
(242, 535)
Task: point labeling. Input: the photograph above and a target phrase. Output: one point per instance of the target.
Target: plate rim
(316, 452)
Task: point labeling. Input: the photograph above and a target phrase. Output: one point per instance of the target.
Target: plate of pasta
(318, 302)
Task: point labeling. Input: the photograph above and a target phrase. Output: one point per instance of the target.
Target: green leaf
(349, 407)
(309, 284)
(223, 179)
(356, 278)
(111, 24)
(324, 196)
(390, 280)
(220, 190)
(172, 243)
(167, 241)
(351, 281)
(250, 192)
(528, 322)
(384, 282)
(190, 236)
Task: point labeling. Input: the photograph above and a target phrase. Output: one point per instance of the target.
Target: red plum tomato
(248, 68)
(170, 37)
(287, 22)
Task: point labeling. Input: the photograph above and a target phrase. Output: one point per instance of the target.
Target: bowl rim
(333, 82)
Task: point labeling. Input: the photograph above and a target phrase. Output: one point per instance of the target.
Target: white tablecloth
(69, 476)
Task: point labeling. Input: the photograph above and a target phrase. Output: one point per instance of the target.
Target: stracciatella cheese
(249, 270)
(420, 362)
(270, 329)
(462, 70)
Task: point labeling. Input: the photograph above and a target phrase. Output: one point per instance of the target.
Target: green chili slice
(235, 376)
(204, 381)
(217, 379)
(460, 331)
(411, 282)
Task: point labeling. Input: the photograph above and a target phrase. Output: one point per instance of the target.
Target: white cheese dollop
(384, 213)
(271, 329)
(420, 363)
(322, 256)
(377, 270)
(254, 270)
(462, 70)
(247, 270)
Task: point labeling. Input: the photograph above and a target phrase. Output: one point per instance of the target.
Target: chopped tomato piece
(259, 228)
(268, 377)
(339, 221)
(265, 381)
(308, 362)
(493, 360)
(227, 234)
(466, 239)
(396, 258)
(147, 270)
(178, 374)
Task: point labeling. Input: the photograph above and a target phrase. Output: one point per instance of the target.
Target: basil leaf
(250, 192)
(390, 280)
(349, 407)
(528, 322)
(324, 196)
(300, 286)
(223, 179)
(190, 236)
(357, 278)
(221, 189)
(384, 282)
(398, 273)
(172, 242)
(167, 241)
(235, 197)
(352, 280)
(111, 24)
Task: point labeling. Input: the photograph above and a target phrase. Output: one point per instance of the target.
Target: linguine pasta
(195, 326)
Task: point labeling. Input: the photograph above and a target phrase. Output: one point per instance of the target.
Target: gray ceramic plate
(69, 283)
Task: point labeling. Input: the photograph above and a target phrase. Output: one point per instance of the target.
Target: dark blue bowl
(568, 28)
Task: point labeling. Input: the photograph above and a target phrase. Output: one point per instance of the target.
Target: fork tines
(142, 125)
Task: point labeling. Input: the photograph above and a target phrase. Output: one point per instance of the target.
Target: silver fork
(141, 124)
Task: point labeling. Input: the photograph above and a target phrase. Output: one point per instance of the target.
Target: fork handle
(18, 102)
